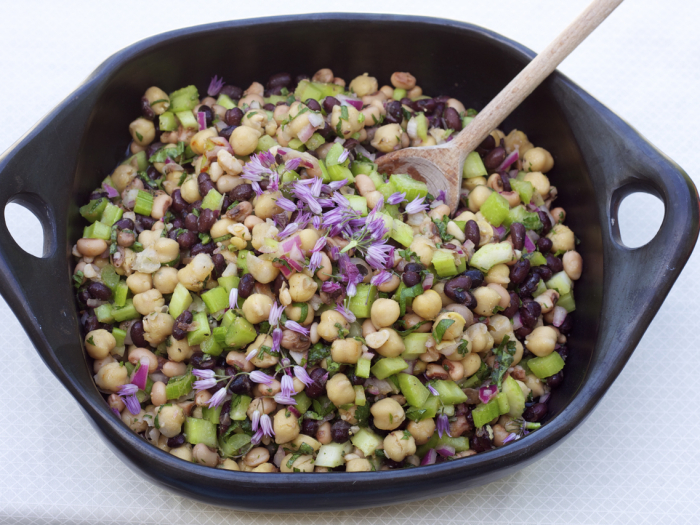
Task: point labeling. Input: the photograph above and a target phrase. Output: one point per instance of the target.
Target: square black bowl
(599, 160)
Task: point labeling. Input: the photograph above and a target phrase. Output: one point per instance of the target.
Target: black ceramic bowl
(599, 160)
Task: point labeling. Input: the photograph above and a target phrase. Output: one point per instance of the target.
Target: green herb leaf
(78, 278)
(407, 293)
(441, 328)
(442, 228)
(323, 406)
(504, 355)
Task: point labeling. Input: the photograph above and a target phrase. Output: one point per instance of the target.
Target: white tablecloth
(635, 460)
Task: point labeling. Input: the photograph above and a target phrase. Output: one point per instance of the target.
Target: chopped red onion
(281, 453)
(544, 397)
(378, 386)
(546, 210)
(286, 271)
(486, 393)
(294, 411)
(367, 355)
(510, 437)
(428, 281)
(517, 322)
(445, 451)
(429, 458)
(111, 192)
(139, 378)
(202, 120)
(510, 159)
(409, 370)
(529, 245)
(469, 248)
(362, 151)
(290, 243)
(559, 316)
(345, 100)
(306, 133)
(500, 231)
(315, 119)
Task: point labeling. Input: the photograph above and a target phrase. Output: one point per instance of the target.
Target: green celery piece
(376, 178)
(567, 302)
(546, 366)
(296, 144)
(119, 336)
(362, 168)
(219, 335)
(228, 318)
(200, 431)
(241, 261)
(537, 259)
(495, 209)
(474, 166)
(110, 277)
(524, 189)
(388, 220)
(303, 402)
(316, 90)
(449, 392)
(392, 210)
(333, 155)
(97, 230)
(415, 345)
(360, 398)
(211, 414)
(184, 99)
(167, 121)
(144, 203)
(211, 346)
(104, 313)
(516, 398)
(529, 219)
(240, 333)
(232, 444)
(401, 233)
(120, 293)
(138, 160)
(444, 263)
(413, 390)
(187, 119)
(331, 455)
(404, 295)
(229, 282)
(179, 386)
(421, 125)
(325, 176)
(399, 93)
(503, 403)
(212, 200)
(561, 282)
(340, 172)
(92, 211)
(484, 413)
(541, 288)
(387, 189)
(315, 142)
(180, 301)
(274, 99)
(239, 407)
(367, 441)
(361, 303)
(388, 367)
(126, 312)
(111, 214)
(203, 330)
(265, 143)
(358, 203)
(289, 176)
(362, 368)
(216, 299)
(406, 184)
(492, 254)
(460, 444)
(428, 410)
(225, 101)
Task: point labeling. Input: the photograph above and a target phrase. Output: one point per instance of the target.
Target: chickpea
(148, 302)
(562, 238)
(229, 464)
(428, 304)
(244, 140)
(135, 422)
(190, 190)
(388, 91)
(122, 176)
(170, 419)
(326, 269)
(385, 312)
(99, 343)
(539, 181)
(111, 376)
(478, 196)
(538, 159)
(398, 445)
(303, 463)
(302, 287)
(327, 328)
(91, 247)
(504, 301)
(358, 465)
(439, 212)
(349, 126)
(139, 282)
(387, 138)
(184, 452)
(517, 139)
(286, 426)
(260, 232)
(541, 341)
(267, 359)
(196, 272)
(180, 350)
(167, 249)
(293, 313)
(421, 430)
(347, 351)
(256, 456)
(390, 285)
(455, 329)
(157, 99)
(486, 300)
(498, 274)
(203, 455)
(394, 345)
(363, 85)
(471, 364)
(499, 435)
(573, 265)
(411, 320)
(364, 184)
(481, 339)
(251, 221)
(136, 355)
(424, 249)
(198, 142)
(266, 205)
(157, 327)
(387, 413)
(142, 131)
(499, 327)
(158, 396)
(324, 75)
(470, 184)
(373, 198)
(263, 270)
(256, 308)
(339, 390)
(248, 100)
(165, 280)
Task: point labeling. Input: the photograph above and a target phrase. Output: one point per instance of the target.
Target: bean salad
(256, 296)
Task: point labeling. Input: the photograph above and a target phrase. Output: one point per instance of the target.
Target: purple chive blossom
(290, 229)
(274, 182)
(206, 379)
(217, 398)
(286, 204)
(350, 274)
(378, 255)
(284, 399)
(302, 376)
(510, 437)
(396, 198)
(316, 187)
(315, 262)
(128, 394)
(296, 327)
(433, 390)
(116, 412)
(320, 244)
(441, 196)
(233, 299)
(255, 421)
(256, 376)
(380, 278)
(343, 156)
(287, 385)
(254, 170)
(416, 205)
(336, 185)
(316, 221)
(276, 339)
(340, 200)
(262, 425)
(266, 425)
(275, 314)
(215, 86)
(292, 164)
(443, 425)
(305, 195)
(330, 287)
(349, 316)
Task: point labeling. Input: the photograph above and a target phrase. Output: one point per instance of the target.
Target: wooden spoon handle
(533, 75)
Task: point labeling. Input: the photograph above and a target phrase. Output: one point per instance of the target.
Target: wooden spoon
(441, 166)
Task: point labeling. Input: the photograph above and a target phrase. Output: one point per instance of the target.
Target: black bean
(535, 412)
(414, 267)
(279, 80)
(178, 223)
(172, 234)
(393, 465)
(411, 278)
(152, 173)
(407, 102)
(544, 272)
(546, 223)
(326, 132)
(518, 272)
(208, 114)
(206, 220)
(517, 234)
(350, 144)
(96, 195)
(205, 184)
(242, 192)
(91, 323)
(278, 283)
(494, 158)
(137, 335)
(152, 148)
(486, 145)
(202, 248)
(99, 291)
(226, 202)
(470, 301)
(145, 222)
(567, 324)
(234, 92)
(318, 387)
(425, 104)
(394, 114)
(554, 263)
(273, 91)
(472, 232)
(312, 104)
(513, 306)
(479, 444)
(309, 427)
(300, 77)
(203, 361)
(505, 180)
(186, 239)
(226, 132)
(530, 284)
(563, 351)
(340, 431)
(355, 379)
(83, 296)
(329, 103)
(125, 224)
(219, 264)
(457, 288)
(233, 116)
(191, 222)
(176, 441)
(246, 285)
(476, 276)
(452, 119)
(437, 120)
(179, 204)
(523, 332)
(555, 380)
(241, 385)
(529, 313)
(269, 107)
(146, 109)
(544, 245)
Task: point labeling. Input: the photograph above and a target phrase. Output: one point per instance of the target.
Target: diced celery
(216, 299)
(485, 412)
(537, 259)
(392, 210)
(229, 282)
(541, 288)
(364, 168)
(363, 367)
(516, 398)
(361, 303)
(239, 407)
(429, 409)
(187, 119)
(333, 155)
(387, 189)
(212, 200)
(524, 189)
(376, 178)
(97, 230)
(316, 90)
(119, 336)
(92, 211)
(503, 403)
(399, 93)
(460, 444)
(315, 142)
(413, 390)
(241, 262)
(406, 184)
(388, 367)
(401, 233)
(225, 101)
(474, 166)
(179, 386)
(144, 203)
(360, 398)
(104, 313)
(450, 393)
(303, 402)
(367, 441)
(421, 125)
(495, 209)
(444, 263)
(492, 254)
(219, 335)
(561, 282)
(324, 171)
(110, 277)
(566, 301)
(232, 444)
(265, 143)
(211, 346)
(211, 414)
(126, 312)
(202, 331)
(358, 203)
(240, 333)
(546, 366)
(296, 144)
(184, 99)
(138, 160)
(121, 291)
(289, 176)
(331, 455)
(180, 301)
(340, 172)
(415, 345)
(200, 431)
(529, 219)
(111, 214)
(167, 121)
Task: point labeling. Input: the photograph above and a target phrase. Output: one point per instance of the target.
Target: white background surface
(634, 461)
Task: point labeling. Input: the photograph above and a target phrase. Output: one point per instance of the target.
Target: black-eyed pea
(203, 455)
(403, 80)
(267, 389)
(415, 93)
(541, 341)
(190, 191)
(456, 105)
(513, 198)
(161, 204)
(427, 305)
(99, 343)
(251, 221)
(174, 368)
(373, 198)
(397, 447)
(388, 414)
(477, 197)
(238, 359)
(562, 238)
(304, 463)
(368, 328)
(573, 264)
(346, 351)
(226, 183)
(394, 345)
(323, 434)
(559, 214)
(136, 355)
(91, 247)
(116, 402)
(266, 468)
(390, 285)
(99, 363)
(455, 369)
(229, 464)
(286, 426)
(364, 184)
(538, 159)
(256, 456)
(547, 300)
(325, 270)
(387, 138)
(499, 435)
(339, 390)
(158, 395)
(388, 92)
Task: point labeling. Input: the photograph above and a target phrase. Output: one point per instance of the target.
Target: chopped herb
(441, 328)
(463, 348)
(78, 278)
(138, 136)
(305, 448)
(442, 228)
(91, 341)
(342, 332)
(504, 358)
(362, 415)
(406, 435)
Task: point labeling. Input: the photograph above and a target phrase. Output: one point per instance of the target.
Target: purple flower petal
(443, 425)
(233, 299)
(343, 156)
(330, 287)
(290, 229)
(302, 376)
(286, 204)
(266, 425)
(215, 86)
(317, 222)
(416, 205)
(256, 376)
(275, 314)
(296, 327)
(396, 198)
(217, 398)
(204, 384)
(316, 187)
(433, 390)
(132, 404)
(127, 390)
(315, 262)
(255, 420)
(276, 339)
(349, 316)
(203, 374)
(287, 385)
(257, 437)
(336, 185)
(284, 400)
(319, 245)
(292, 164)
(380, 278)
